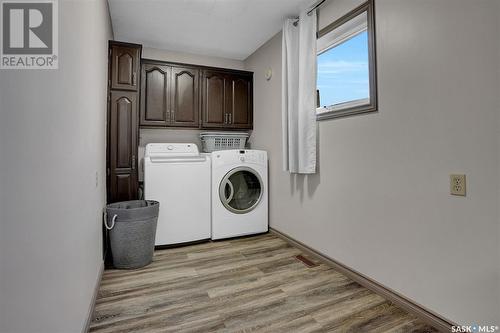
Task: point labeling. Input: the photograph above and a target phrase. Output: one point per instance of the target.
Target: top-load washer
(178, 176)
(239, 193)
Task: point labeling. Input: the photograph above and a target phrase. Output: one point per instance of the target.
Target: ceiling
(224, 28)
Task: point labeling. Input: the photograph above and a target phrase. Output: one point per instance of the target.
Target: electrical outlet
(457, 185)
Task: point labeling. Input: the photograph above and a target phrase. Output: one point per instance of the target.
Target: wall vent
(306, 261)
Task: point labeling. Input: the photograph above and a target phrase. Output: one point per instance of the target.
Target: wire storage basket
(212, 141)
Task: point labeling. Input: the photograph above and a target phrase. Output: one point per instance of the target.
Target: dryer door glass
(241, 190)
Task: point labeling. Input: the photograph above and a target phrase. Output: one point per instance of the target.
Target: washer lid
(172, 150)
(241, 190)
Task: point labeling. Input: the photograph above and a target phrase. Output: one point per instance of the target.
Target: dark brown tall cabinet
(123, 117)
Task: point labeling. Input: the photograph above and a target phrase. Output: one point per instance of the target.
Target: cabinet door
(185, 97)
(123, 146)
(125, 67)
(239, 101)
(155, 97)
(214, 103)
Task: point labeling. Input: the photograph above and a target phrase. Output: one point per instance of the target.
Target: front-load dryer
(239, 193)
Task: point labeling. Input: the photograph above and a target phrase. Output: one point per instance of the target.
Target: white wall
(52, 142)
(380, 203)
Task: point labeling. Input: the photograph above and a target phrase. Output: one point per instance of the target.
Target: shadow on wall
(298, 182)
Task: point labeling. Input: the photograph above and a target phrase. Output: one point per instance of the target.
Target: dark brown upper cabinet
(185, 105)
(125, 64)
(122, 147)
(240, 97)
(227, 100)
(169, 96)
(155, 97)
(190, 96)
(214, 101)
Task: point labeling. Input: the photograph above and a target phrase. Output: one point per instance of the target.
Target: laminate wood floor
(252, 284)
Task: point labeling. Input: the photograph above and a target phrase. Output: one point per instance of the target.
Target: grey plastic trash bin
(132, 231)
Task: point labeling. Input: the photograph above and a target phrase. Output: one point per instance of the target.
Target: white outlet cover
(458, 184)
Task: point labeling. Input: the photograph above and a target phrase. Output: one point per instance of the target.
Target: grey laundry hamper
(132, 231)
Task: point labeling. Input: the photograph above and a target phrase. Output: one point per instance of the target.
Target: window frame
(352, 107)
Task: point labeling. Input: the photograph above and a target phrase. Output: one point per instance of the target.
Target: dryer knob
(170, 147)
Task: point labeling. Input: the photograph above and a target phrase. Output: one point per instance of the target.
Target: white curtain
(299, 94)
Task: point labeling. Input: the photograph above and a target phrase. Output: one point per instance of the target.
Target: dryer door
(241, 190)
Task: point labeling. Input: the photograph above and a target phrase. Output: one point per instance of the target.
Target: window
(346, 81)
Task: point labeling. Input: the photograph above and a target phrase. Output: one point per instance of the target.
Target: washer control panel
(172, 149)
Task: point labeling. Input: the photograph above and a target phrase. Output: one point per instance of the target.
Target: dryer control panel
(239, 157)
(252, 156)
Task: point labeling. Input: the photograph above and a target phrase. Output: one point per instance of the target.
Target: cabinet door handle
(225, 118)
(133, 162)
(134, 79)
(230, 118)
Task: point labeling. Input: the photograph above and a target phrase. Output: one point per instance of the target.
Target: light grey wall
(498, 97)
(334, 9)
(380, 203)
(189, 58)
(52, 141)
